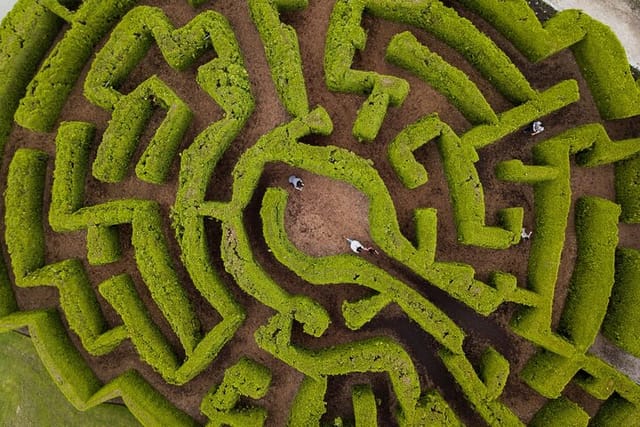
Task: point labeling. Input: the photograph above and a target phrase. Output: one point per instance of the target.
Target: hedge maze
(46, 45)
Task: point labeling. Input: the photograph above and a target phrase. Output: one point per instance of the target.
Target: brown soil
(319, 217)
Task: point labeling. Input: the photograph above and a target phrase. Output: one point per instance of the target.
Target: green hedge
(152, 347)
(23, 198)
(309, 405)
(400, 152)
(628, 189)
(344, 37)
(365, 409)
(405, 51)
(593, 276)
(616, 411)
(48, 91)
(26, 34)
(245, 378)
(151, 251)
(510, 121)
(494, 372)
(460, 34)
(352, 270)
(482, 395)
(224, 78)
(551, 209)
(622, 323)
(467, 196)
(283, 52)
(597, 50)
(130, 118)
(379, 354)
(562, 412)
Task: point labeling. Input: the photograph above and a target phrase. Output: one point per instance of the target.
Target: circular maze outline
(602, 270)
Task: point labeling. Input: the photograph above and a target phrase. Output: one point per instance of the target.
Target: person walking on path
(355, 245)
(358, 247)
(296, 182)
(535, 128)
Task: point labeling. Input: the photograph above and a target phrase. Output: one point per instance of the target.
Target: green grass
(28, 396)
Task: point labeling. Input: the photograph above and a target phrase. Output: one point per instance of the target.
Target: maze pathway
(179, 273)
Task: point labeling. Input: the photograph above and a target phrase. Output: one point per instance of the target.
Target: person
(535, 128)
(355, 245)
(296, 182)
(525, 235)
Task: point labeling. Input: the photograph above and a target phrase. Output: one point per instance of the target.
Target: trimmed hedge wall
(597, 50)
(482, 395)
(26, 34)
(245, 378)
(405, 51)
(460, 34)
(130, 118)
(560, 411)
(400, 152)
(283, 52)
(593, 276)
(151, 252)
(622, 322)
(344, 37)
(48, 91)
(379, 354)
(352, 270)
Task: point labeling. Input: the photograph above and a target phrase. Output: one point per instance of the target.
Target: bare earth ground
(319, 217)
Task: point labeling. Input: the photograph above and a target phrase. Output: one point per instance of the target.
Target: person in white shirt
(525, 235)
(355, 245)
(296, 182)
(535, 128)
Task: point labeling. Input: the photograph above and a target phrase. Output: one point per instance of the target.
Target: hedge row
(593, 276)
(622, 323)
(245, 378)
(560, 411)
(344, 37)
(628, 189)
(48, 91)
(352, 270)
(23, 199)
(460, 34)
(510, 121)
(371, 355)
(405, 51)
(79, 384)
(281, 145)
(596, 48)
(400, 152)
(551, 209)
(365, 409)
(24, 235)
(467, 197)
(151, 252)
(130, 118)
(309, 405)
(224, 78)
(283, 52)
(153, 348)
(26, 34)
(549, 371)
(483, 394)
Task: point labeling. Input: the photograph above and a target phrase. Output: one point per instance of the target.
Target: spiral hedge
(47, 48)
